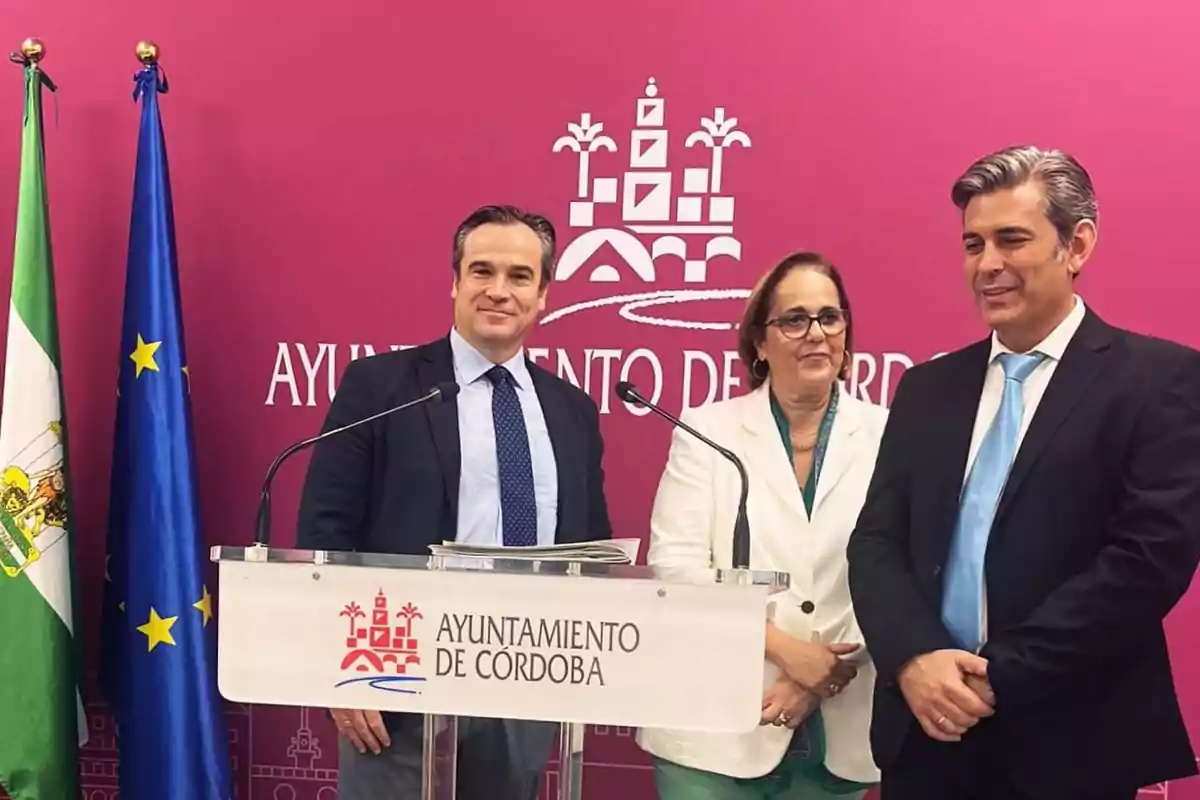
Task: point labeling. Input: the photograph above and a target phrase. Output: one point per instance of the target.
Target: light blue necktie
(962, 598)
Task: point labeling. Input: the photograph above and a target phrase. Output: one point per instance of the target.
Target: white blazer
(691, 527)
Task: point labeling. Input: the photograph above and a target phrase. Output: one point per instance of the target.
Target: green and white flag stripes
(41, 716)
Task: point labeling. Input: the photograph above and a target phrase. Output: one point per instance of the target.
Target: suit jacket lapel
(954, 427)
(840, 452)
(437, 366)
(766, 449)
(558, 425)
(1080, 365)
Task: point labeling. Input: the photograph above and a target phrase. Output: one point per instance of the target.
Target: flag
(159, 660)
(41, 716)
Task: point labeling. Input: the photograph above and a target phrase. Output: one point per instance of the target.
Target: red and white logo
(386, 653)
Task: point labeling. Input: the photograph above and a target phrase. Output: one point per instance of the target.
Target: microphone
(741, 526)
(443, 392)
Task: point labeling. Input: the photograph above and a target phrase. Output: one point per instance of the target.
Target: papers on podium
(604, 551)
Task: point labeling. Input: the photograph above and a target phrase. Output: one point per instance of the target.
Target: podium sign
(446, 637)
(472, 642)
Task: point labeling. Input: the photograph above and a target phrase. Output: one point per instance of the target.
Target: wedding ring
(783, 719)
(940, 720)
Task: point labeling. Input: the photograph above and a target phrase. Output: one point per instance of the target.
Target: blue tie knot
(1019, 366)
(499, 376)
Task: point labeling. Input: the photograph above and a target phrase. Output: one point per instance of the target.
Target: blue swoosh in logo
(385, 683)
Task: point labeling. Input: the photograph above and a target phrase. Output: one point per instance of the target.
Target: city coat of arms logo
(385, 655)
(659, 227)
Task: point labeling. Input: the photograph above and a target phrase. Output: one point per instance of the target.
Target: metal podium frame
(439, 763)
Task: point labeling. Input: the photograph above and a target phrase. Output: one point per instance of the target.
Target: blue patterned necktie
(962, 599)
(518, 508)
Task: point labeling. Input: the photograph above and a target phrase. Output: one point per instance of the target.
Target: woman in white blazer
(809, 449)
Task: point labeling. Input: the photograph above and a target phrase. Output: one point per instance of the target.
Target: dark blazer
(391, 486)
(1096, 537)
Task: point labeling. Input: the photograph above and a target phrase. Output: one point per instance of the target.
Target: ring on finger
(940, 720)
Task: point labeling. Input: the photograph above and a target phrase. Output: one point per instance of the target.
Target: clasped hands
(812, 671)
(948, 692)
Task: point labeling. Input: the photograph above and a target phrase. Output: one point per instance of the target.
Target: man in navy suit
(515, 459)
(1033, 516)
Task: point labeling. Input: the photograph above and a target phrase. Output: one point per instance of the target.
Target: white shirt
(479, 519)
(1053, 347)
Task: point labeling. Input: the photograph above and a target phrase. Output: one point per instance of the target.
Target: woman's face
(797, 347)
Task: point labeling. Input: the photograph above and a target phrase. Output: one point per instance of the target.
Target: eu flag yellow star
(204, 606)
(143, 356)
(157, 630)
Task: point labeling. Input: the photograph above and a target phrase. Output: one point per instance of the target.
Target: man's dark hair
(508, 215)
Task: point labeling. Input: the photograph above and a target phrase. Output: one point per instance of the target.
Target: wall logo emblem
(388, 654)
(657, 227)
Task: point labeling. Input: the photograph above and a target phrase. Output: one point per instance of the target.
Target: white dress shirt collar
(470, 365)
(1055, 344)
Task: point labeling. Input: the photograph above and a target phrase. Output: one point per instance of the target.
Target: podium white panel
(560, 647)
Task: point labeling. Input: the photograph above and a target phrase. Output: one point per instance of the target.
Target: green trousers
(675, 782)
(801, 775)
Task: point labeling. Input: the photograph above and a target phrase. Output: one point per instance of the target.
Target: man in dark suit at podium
(1033, 516)
(515, 459)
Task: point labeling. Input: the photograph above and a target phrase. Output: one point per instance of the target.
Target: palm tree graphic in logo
(353, 611)
(585, 139)
(717, 133)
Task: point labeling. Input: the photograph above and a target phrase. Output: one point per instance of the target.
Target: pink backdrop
(322, 154)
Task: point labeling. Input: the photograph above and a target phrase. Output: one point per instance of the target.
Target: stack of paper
(606, 551)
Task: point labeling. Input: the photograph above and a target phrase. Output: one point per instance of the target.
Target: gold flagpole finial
(147, 52)
(33, 50)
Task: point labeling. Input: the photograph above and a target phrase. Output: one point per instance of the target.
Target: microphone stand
(262, 525)
(741, 525)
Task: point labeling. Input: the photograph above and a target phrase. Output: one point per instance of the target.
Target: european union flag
(159, 646)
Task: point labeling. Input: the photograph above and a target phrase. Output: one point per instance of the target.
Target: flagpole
(159, 661)
(42, 723)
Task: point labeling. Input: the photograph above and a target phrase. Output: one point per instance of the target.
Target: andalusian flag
(41, 717)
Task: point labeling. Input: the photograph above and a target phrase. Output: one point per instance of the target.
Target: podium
(568, 642)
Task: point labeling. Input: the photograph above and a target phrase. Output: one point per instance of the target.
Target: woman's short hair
(754, 321)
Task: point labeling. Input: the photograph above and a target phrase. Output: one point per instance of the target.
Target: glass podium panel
(439, 757)
(280, 642)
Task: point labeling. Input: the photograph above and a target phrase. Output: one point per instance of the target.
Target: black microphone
(741, 526)
(444, 392)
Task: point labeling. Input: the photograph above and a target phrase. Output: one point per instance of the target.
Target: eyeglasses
(797, 324)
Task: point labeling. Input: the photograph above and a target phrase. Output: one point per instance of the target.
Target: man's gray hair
(1070, 198)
